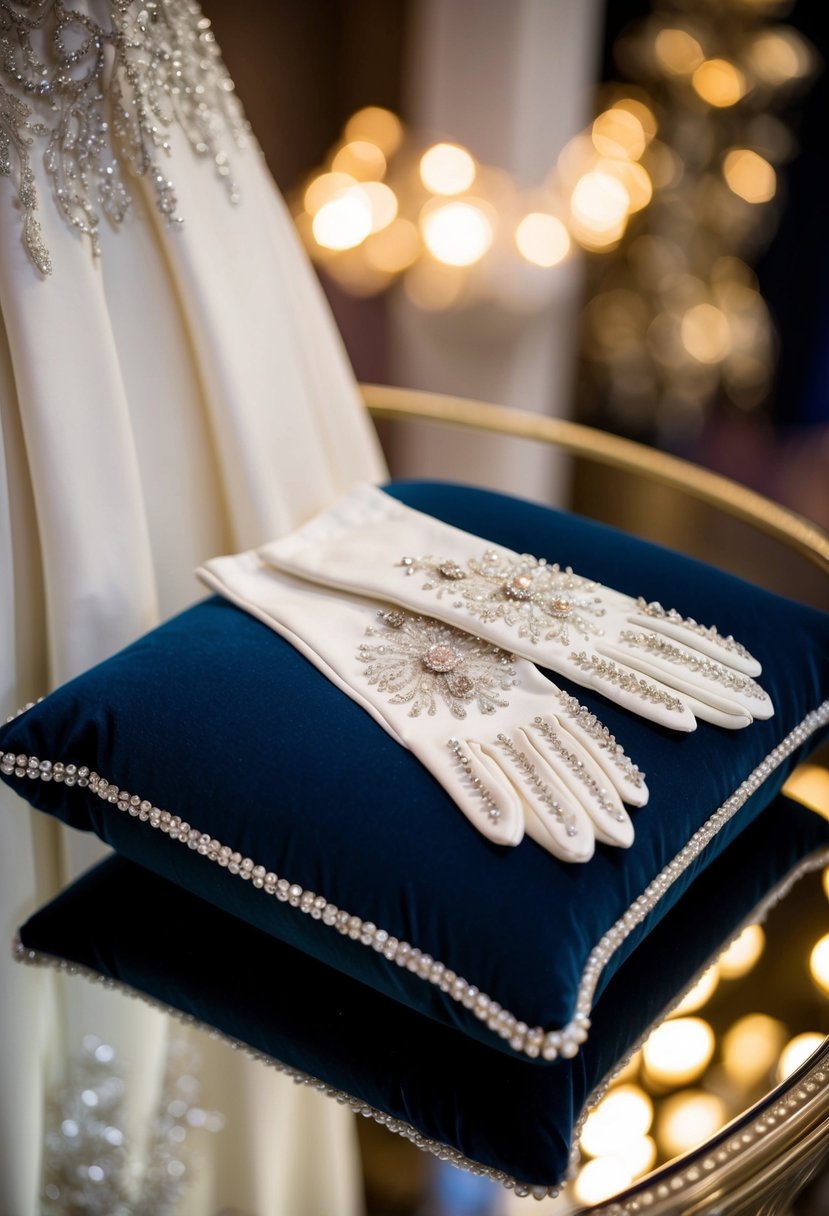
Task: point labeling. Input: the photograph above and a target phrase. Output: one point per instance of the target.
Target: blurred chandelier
(670, 192)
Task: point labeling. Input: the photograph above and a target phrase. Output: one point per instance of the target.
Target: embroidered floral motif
(103, 95)
(422, 662)
(544, 601)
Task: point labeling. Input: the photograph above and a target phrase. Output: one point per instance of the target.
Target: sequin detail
(102, 98)
(543, 600)
(422, 663)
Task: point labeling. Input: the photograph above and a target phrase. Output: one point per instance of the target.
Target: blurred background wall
(676, 152)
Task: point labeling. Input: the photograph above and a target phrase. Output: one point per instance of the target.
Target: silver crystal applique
(421, 662)
(97, 99)
(543, 600)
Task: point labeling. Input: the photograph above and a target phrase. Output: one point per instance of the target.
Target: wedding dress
(171, 387)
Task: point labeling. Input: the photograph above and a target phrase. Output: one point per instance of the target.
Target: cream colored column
(512, 80)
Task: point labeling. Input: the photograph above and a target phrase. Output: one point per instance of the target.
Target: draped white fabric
(183, 395)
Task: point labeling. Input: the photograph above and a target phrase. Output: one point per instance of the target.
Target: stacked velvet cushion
(427, 1081)
(219, 759)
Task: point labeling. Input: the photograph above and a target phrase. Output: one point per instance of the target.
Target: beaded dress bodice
(94, 90)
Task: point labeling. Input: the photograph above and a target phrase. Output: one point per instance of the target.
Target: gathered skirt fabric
(182, 395)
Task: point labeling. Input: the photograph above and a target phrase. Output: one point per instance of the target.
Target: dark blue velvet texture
(216, 719)
(500, 1112)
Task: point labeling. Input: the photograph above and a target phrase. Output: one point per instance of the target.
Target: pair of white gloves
(435, 632)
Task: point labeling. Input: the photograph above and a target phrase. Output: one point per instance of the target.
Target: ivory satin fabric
(184, 395)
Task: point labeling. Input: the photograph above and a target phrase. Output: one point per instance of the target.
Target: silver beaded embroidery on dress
(97, 97)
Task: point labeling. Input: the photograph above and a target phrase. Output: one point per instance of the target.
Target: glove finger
(627, 687)
(478, 787)
(707, 697)
(704, 638)
(684, 668)
(584, 779)
(552, 816)
(619, 770)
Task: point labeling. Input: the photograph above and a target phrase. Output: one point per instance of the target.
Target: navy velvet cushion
(500, 1113)
(224, 761)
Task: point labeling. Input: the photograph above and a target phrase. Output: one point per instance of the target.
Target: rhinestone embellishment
(424, 663)
(544, 601)
(655, 644)
(531, 1041)
(599, 733)
(628, 681)
(101, 100)
(657, 612)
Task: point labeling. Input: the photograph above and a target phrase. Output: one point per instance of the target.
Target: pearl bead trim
(533, 1042)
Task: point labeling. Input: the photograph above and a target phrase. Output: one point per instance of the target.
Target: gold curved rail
(769, 517)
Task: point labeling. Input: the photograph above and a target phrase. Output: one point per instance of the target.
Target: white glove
(512, 750)
(652, 661)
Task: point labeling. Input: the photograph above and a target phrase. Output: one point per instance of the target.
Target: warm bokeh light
(701, 993)
(677, 51)
(458, 234)
(325, 188)
(750, 1048)
(797, 1052)
(626, 1113)
(599, 208)
(542, 239)
(447, 169)
(719, 82)
(678, 1051)
(600, 1179)
(809, 785)
(382, 203)
(393, 249)
(363, 160)
(642, 113)
(377, 126)
(749, 175)
(743, 953)
(345, 221)
(819, 963)
(706, 334)
(777, 56)
(633, 177)
(688, 1119)
(617, 132)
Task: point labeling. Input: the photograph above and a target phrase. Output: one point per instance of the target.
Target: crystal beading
(598, 732)
(531, 1041)
(542, 790)
(699, 664)
(655, 610)
(106, 105)
(421, 662)
(628, 681)
(492, 808)
(544, 601)
(576, 767)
